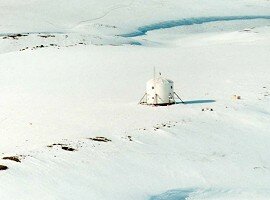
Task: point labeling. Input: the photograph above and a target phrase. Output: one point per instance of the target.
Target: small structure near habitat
(159, 91)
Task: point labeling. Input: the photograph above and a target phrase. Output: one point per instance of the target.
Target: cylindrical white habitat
(160, 91)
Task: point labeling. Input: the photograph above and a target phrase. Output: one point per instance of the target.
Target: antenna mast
(155, 84)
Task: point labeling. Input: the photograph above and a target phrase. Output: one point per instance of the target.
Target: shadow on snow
(197, 102)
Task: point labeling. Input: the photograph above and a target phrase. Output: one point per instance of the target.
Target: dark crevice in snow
(189, 21)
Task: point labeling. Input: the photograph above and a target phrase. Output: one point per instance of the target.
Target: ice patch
(189, 21)
(213, 194)
(180, 194)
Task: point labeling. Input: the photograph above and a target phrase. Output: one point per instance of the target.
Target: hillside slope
(70, 85)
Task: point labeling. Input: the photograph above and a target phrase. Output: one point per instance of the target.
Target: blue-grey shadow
(197, 101)
(187, 22)
(179, 194)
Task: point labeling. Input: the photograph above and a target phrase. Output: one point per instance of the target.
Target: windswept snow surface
(69, 77)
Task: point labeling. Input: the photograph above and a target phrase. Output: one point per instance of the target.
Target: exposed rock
(63, 146)
(68, 148)
(129, 137)
(236, 97)
(100, 139)
(15, 36)
(207, 109)
(46, 36)
(13, 158)
(3, 167)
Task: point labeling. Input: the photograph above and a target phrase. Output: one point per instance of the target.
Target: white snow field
(73, 71)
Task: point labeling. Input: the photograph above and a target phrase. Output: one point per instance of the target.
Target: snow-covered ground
(72, 72)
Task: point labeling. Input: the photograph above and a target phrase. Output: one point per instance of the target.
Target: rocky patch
(15, 36)
(100, 139)
(208, 109)
(129, 138)
(3, 167)
(46, 36)
(236, 97)
(12, 158)
(169, 124)
(65, 147)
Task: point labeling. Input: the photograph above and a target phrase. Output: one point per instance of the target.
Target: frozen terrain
(71, 78)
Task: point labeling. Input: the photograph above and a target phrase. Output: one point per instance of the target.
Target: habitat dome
(159, 91)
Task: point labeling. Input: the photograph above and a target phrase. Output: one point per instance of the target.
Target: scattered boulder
(63, 146)
(129, 137)
(12, 158)
(66, 148)
(3, 167)
(169, 124)
(15, 36)
(56, 144)
(46, 36)
(208, 109)
(100, 139)
(236, 97)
